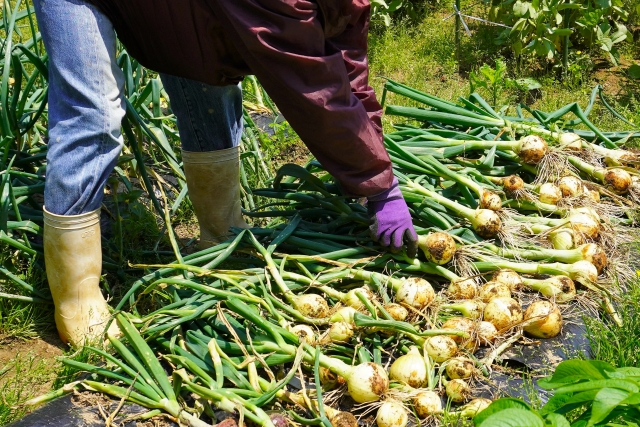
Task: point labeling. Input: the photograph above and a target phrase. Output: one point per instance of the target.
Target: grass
(618, 346)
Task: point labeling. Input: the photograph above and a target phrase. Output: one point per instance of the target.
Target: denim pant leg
(209, 117)
(86, 104)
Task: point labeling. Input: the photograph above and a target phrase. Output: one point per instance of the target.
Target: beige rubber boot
(213, 179)
(73, 258)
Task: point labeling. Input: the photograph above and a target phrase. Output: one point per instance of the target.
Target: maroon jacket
(309, 55)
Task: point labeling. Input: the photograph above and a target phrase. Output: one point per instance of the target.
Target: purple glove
(391, 224)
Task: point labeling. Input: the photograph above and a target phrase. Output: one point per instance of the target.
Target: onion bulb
(472, 309)
(427, 403)
(490, 200)
(439, 247)
(392, 414)
(343, 419)
(352, 300)
(415, 292)
(584, 270)
(486, 333)
(460, 368)
(594, 195)
(509, 278)
(366, 382)
(561, 288)
(458, 391)
(595, 255)
(340, 332)
(550, 193)
(278, 420)
(312, 305)
(460, 324)
(491, 290)
(617, 180)
(503, 313)
(545, 319)
(584, 223)
(343, 314)
(486, 223)
(512, 184)
(570, 186)
(463, 289)
(329, 380)
(396, 311)
(474, 407)
(440, 348)
(532, 149)
(563, 238)
(304, 332)
(409, 369)
(571, 141)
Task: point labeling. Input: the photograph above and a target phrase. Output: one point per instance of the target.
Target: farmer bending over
(311, 58)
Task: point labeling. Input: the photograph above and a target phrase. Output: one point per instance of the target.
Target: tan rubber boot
(213, 179)
(73, 258)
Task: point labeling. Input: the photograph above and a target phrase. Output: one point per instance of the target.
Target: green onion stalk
(590, 252)
(366, 382)
(581, 271)
(485, 222)
(559, 288)
(616, 179)
(452, 114)
(487, 198)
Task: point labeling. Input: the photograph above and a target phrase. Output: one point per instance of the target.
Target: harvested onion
(503, 313)
(491, 290)
(532, 149)
(409, 369)
(312, 305)
(396, 311)
(463, 289)
(550, 193)
(415, 292)
(460, 368)
(438, 247)
(427, 403)
(543, 319)
(458, 391)
(509, 278)
(440, 348)
(392, 414)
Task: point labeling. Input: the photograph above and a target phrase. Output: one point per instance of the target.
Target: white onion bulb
(427, 403)
(440, 348)
(503, 313)
(367, 382)
(392, 414)
(438, 247)
(491, 290)
(409, 369)
(549, 319)
(415, 292)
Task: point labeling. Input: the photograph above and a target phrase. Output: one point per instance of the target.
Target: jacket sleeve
(351, 41)
(284, 44)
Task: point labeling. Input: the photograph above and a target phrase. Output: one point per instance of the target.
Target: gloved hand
(391, 224)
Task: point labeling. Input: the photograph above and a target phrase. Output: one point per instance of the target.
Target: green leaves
(634, 70)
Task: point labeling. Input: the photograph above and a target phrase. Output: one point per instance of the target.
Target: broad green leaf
(562, 403)
(624, 372)
(606, 401)
(556, 420)
(633, 399)
(603, 4)
(571, 371)
(499, 406)
(590, 385)
(511, 417)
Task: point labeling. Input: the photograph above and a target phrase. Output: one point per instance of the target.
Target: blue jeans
(86, 106)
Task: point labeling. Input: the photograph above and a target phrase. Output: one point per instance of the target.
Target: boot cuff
(208, 157)
(71, 222)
